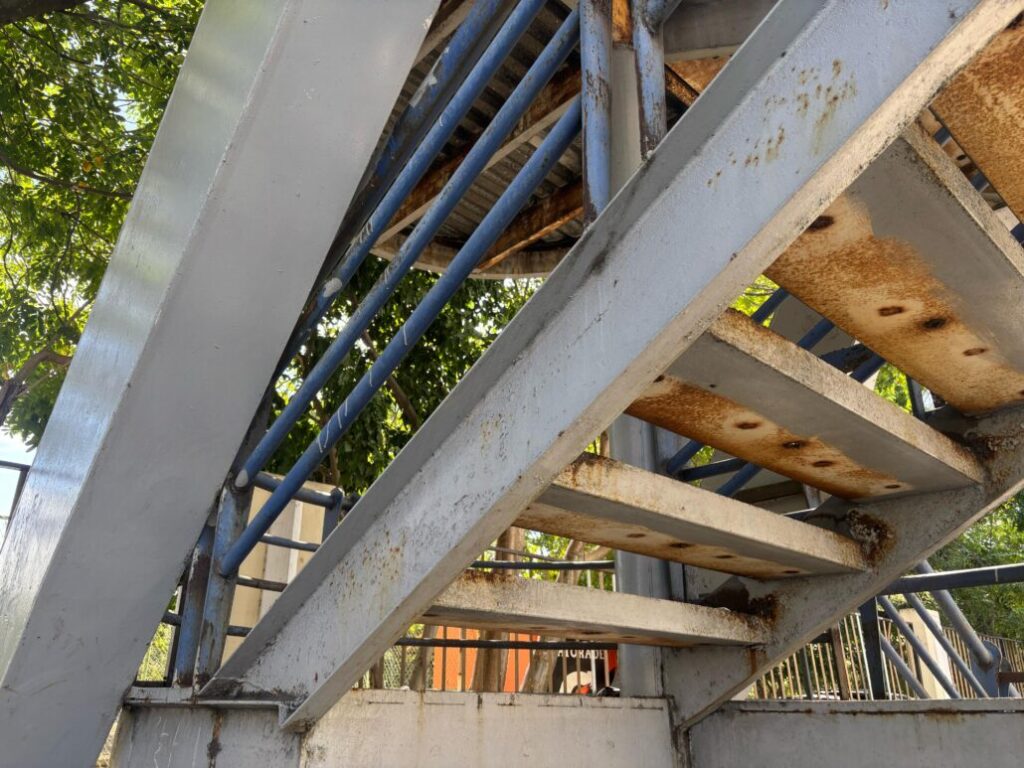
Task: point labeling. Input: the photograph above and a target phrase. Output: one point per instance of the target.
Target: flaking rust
(873, 534)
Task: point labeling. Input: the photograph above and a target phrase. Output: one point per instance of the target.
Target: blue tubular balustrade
(416, 167)
(650, 73)
(922, 653)
(449, 71)
(192, 609)
(901, 667)
(486, 234)
(595, 63)
(489, 142)
(940, 637)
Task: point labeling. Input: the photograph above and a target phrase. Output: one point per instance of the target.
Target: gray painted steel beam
(700, 29)
(913, 262)
(646, 280)
(754, 394)
(275, 114)
(513, 604)
(907, 530)
(604, 502)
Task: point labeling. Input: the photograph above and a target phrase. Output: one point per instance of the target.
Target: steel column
(650, 72)
(872, 640)
(237, 205)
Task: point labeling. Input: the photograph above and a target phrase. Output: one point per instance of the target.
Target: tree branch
(17, 384)
(408, 409)
(22, 170)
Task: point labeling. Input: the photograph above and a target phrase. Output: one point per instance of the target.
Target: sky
(11, 449)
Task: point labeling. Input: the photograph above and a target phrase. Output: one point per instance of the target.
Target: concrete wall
(380, 729)
(912, 734)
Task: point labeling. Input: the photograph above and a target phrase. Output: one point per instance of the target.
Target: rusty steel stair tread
(749, 392)
(983, 108)
(515, 604)
(605, 502)
(912, 262)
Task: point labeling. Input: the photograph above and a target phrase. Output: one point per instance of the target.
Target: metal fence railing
(835, 667)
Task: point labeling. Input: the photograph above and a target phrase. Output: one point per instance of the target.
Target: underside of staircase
(809, 159)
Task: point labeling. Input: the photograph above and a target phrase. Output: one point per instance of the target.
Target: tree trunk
(17, 384)
(489, 670)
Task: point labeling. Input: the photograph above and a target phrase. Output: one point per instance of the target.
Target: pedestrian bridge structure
(650, 161)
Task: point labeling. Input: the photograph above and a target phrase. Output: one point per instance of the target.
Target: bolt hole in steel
(822, 222)
(748, 425)
(794, 444)
(823, 463)
(723, 557)
(678, 545)
(635, 535)
(973, 351)
(791, 571)
(934, 323)
(893, 486)
(890, 311)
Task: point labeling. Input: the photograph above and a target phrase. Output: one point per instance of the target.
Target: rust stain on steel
(693, 412)
(622, 23)
(511, 609)
(213, 748)
(646, 541)
(698, 73)
(873, 534)
(881, 291)
(983, 107)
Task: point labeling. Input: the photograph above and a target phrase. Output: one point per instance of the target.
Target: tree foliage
(81, 95)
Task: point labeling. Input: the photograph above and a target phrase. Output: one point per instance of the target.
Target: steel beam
(907, 530)
(238, 203)
(700, 29)
(646, 279)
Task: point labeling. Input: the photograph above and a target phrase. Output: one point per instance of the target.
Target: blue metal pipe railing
(940, 637)
(769, 305)
(901, 667)
(958, 621)
(595, 63)
(922, 653)
(724, 467)
(476, 160)
(486, 234)
(450, 71)
(412, 172)
(970, 577)
(650, 73)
